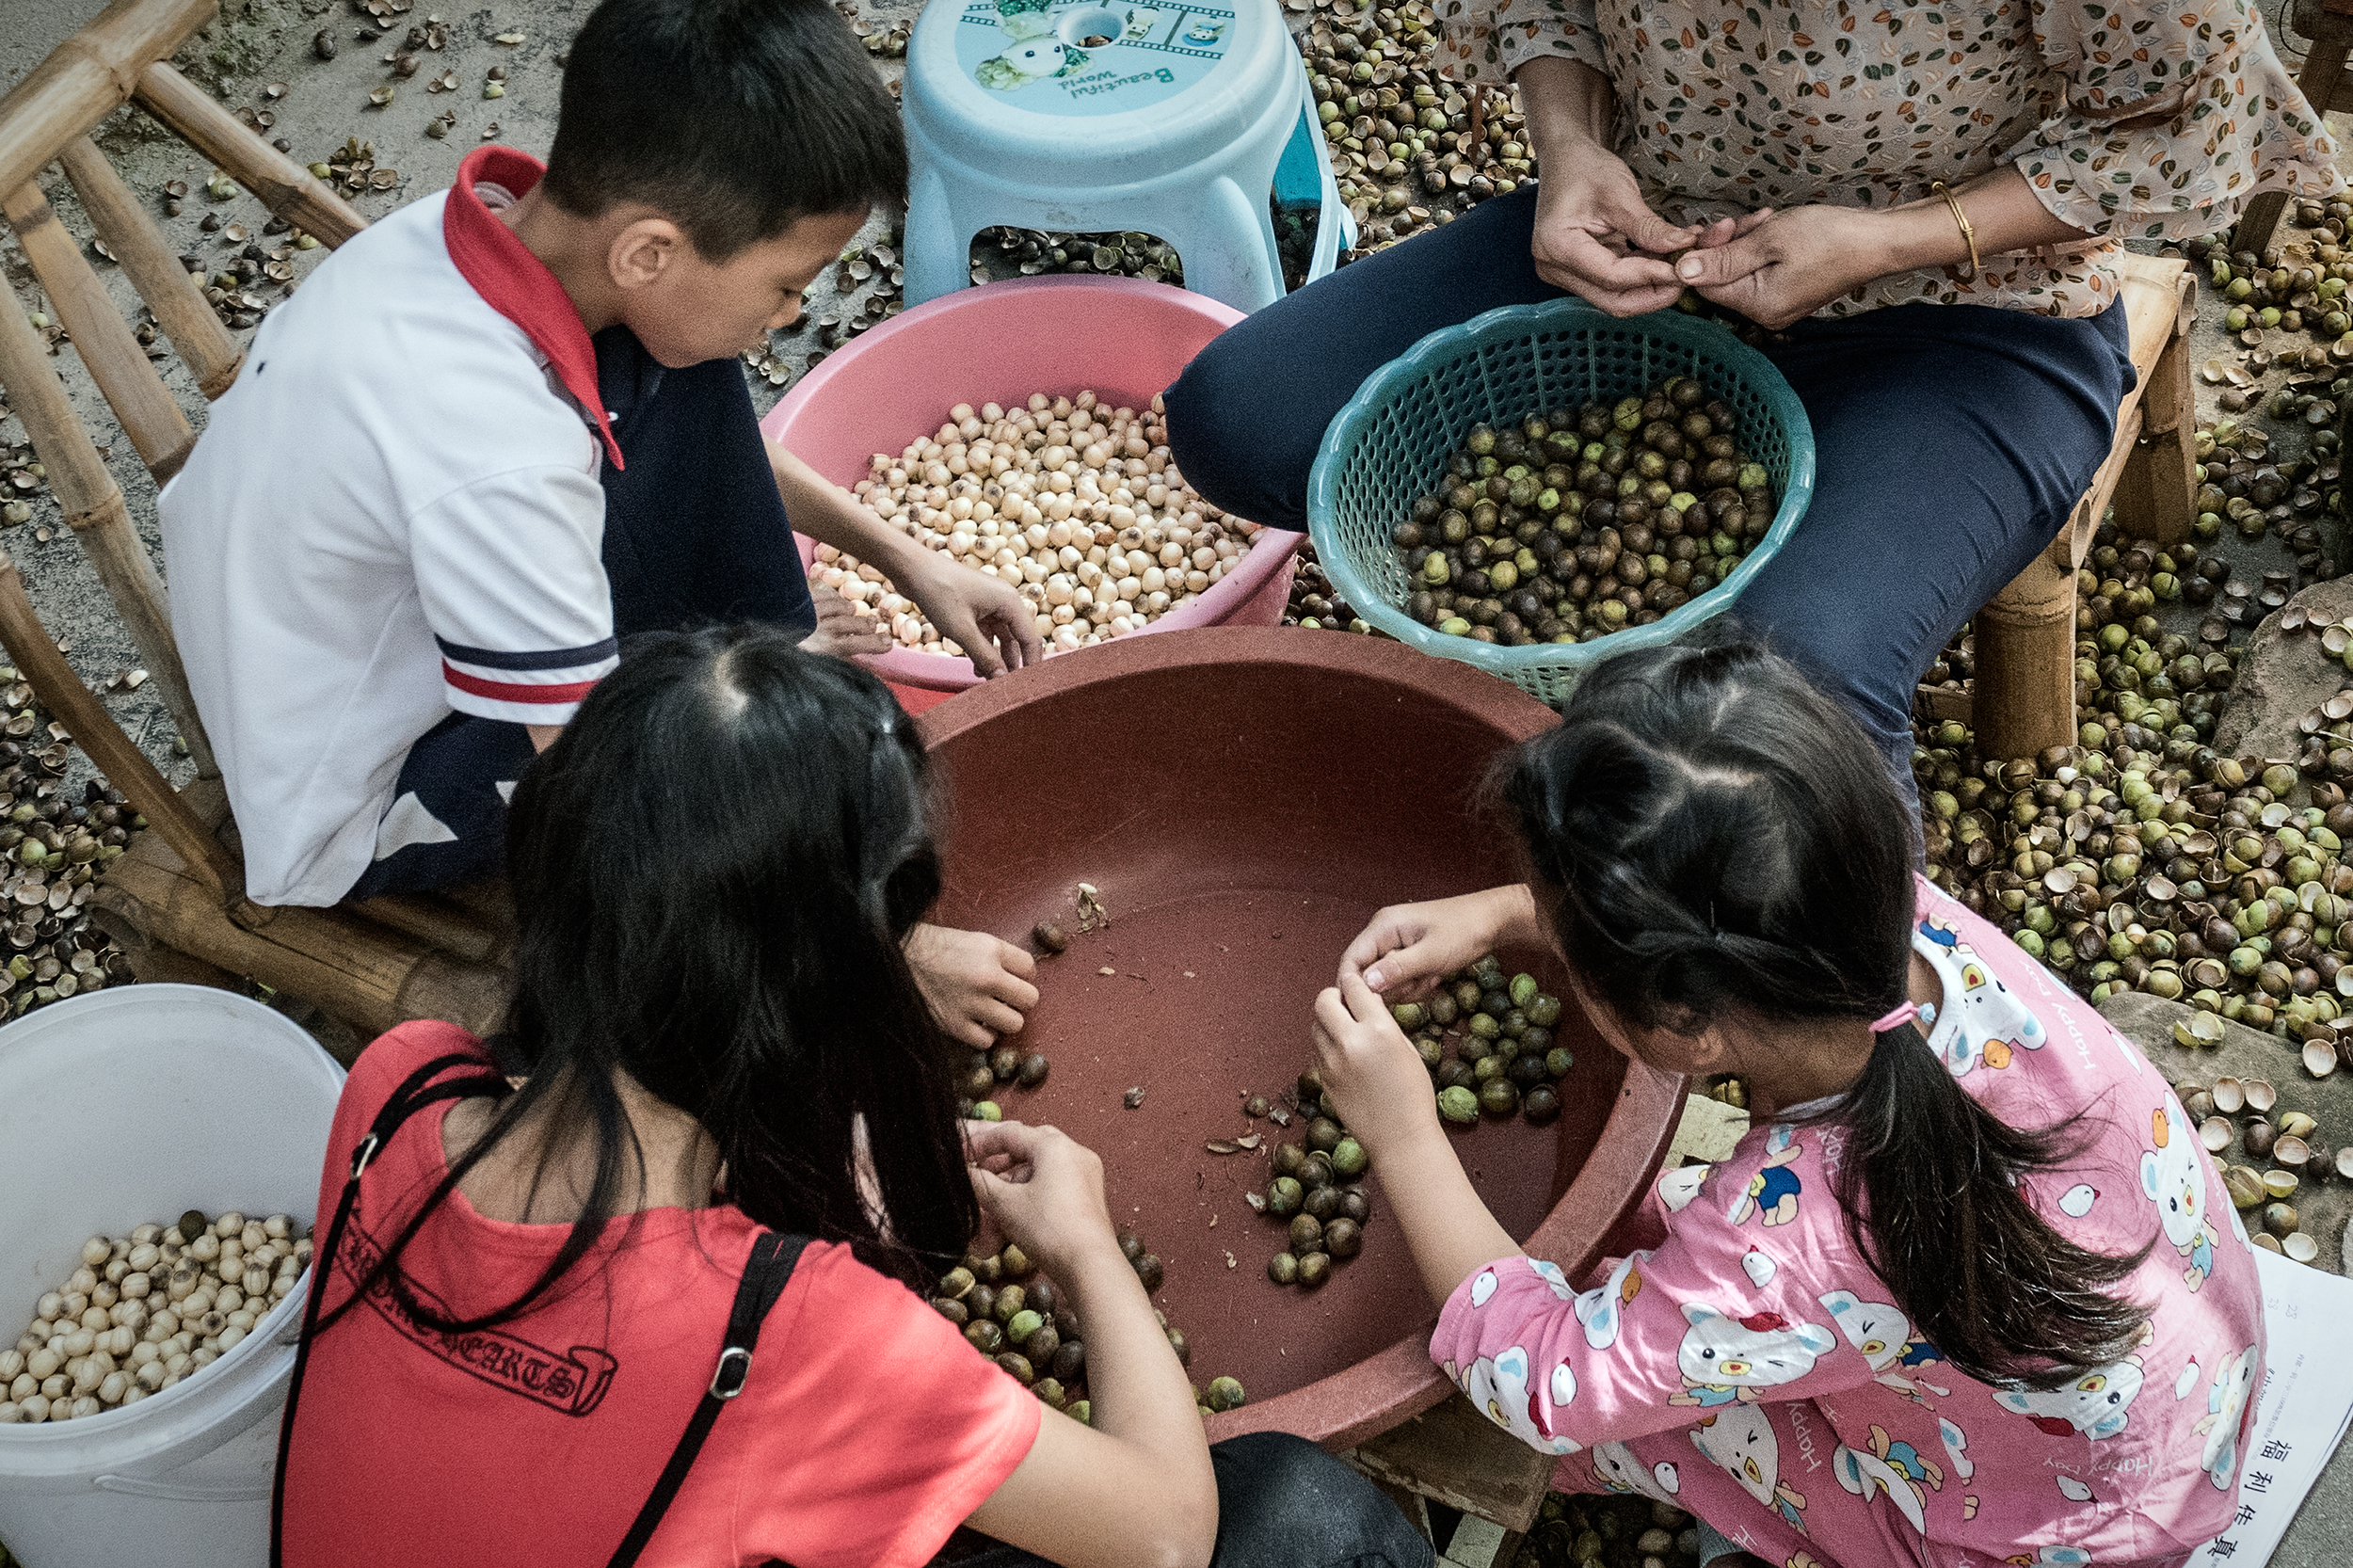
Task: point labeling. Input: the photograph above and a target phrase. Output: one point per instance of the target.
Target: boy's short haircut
(734, 118)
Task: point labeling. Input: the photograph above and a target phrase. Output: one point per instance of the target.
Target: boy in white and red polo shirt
(503, 429)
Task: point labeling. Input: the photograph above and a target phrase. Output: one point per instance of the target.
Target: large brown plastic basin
(1244, 799)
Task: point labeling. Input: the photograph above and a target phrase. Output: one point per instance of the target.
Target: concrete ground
(257, 43)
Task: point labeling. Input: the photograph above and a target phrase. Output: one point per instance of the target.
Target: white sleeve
(510, 572)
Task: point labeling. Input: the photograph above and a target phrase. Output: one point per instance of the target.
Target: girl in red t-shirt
(714, 1033)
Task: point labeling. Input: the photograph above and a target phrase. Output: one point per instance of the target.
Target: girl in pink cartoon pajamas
(1956, 1165)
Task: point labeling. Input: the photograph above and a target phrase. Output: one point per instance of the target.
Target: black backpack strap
(415, 1093)
(765, 1274)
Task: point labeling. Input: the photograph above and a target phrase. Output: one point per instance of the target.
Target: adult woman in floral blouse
(1788, 152)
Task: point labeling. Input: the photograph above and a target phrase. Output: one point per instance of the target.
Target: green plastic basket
(1389, 445)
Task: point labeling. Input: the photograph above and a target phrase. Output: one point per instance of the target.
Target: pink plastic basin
(1122, 338)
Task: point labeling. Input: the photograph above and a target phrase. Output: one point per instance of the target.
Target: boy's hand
(1044, 1189)
(977, 986)
(1407, 948)
(1370, 1071)
(981, 614)
(842, 632)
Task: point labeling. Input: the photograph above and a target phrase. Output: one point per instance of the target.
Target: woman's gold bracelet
(1968, 233)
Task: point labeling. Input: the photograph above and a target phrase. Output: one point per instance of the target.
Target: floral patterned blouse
(2152, 118)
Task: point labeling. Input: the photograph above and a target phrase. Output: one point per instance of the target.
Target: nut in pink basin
(1244, 799)
(1123, 337)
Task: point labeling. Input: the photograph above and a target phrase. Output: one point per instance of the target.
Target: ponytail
(1931, 1187)
(1721, 841)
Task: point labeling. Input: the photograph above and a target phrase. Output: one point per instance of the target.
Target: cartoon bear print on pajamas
(1992, 1025)
(1887, 1341)
(1955, 1448)
(1601, 1309)
(1740, 1441)
(1892, 1467)
(1773, 1192)
(1616, 1469)
(1678, 1187)
(2051, 1556)
(2095, 1404)
(1499, 1385)
(1733, 1360)
(2174, 1178)
(2225, 1399)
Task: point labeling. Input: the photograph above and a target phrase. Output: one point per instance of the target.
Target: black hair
(713, 868)
(1720, 840)
(734, 118)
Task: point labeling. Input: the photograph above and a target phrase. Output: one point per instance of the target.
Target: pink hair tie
(1895, 1019)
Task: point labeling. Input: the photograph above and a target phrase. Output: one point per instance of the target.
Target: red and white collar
(516, 284)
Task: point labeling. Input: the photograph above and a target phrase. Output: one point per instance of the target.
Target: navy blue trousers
(695, 533)
(1950, 441)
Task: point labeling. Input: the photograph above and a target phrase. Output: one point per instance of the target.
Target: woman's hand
(1408, 947)
(1597, 239)
(1370, 1071)
(1784, 266)
(842, 632)
(979, 614)
(1044, 1189)
(977, 986)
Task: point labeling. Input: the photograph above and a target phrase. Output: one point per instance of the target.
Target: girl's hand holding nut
(1045, 1190)
(1408, 947)
(1370, 1070)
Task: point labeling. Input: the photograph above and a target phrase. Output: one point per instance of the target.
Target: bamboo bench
(176, 898)
(2024, 696)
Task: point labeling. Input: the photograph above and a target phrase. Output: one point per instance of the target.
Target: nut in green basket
(1580, 522)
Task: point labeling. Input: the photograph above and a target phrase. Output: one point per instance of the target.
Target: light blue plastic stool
(1073, 115)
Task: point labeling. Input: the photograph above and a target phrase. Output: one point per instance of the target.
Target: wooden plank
(94, 509)
(86, 76)
(1453, 1454)
(172, 291)
(1478, 1542)
(285, 187)
(1946, 702)
(158, 430)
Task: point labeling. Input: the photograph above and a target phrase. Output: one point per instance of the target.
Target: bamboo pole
(158, 431)
(441, 921)
(87, 720)
(370, 976)
(95, 511)
(87, 76)
(171, 291)
(285, 187)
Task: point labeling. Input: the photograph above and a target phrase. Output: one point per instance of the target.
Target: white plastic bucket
(129, 1106)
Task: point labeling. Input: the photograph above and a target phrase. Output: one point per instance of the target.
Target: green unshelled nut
(1457, 1105)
